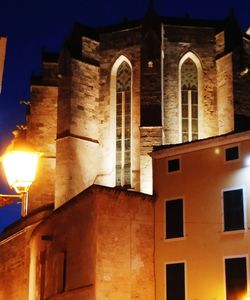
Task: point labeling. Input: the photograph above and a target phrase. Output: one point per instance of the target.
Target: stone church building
(114, 92)
(95, 113)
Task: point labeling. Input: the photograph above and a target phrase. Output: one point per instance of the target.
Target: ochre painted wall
(203, 176)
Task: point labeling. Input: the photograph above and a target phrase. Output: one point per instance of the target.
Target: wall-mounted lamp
(20, 163)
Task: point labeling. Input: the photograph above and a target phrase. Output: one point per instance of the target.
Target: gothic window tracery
(189, 101)
(123, 125)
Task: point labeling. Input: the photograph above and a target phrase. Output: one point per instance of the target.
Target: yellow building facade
(202, 215)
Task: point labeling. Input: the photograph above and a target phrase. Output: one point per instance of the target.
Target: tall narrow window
(189, 101)
(123, 126)
(233, 206)
(236, 278)
(175, 281)
(174, 218)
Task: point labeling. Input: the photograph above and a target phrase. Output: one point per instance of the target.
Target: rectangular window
(174, 218)
(233, 210)
(175, 281)
(173, 165)
(232, 153)
(236, 278)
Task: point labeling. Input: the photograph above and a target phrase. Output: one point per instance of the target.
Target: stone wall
(225, 94)
(220, 43)
(114, 48)
(90, 48)
(150, 136)
(241, 80)
(15, 256)
(200, 42)
(125, 246)
(14, 266)
(107, 249)
(151, 72)
(62, 254)
(77, 129)
(41, 132)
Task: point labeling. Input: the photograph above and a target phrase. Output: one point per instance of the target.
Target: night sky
(33, 26)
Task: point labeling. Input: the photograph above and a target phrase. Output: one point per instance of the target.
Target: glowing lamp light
(20, 169)
(247, 297)
(20, 164)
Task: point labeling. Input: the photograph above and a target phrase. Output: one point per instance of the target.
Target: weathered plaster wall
(106, 236)
(15, 257)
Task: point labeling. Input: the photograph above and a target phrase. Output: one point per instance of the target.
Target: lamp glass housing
(20, 169)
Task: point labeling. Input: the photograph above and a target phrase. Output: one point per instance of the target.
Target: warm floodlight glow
(247, 163)
(20, 169)
(247, 297)
(20, 164)
(217, 151)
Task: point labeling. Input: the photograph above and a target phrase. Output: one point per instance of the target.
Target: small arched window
(189, 101)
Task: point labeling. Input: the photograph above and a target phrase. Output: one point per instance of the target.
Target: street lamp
(20, 163)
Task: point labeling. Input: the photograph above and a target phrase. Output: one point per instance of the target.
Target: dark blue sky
(31, 26)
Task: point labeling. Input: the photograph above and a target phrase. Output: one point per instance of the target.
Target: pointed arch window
(123, 125)
(189, 100)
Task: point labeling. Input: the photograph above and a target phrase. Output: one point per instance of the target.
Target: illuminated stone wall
(200, 42)
(41, 133)
(225, 94)
(15, 256)
(114, 48)
(106, 238)
(77, 145)
(14, 267)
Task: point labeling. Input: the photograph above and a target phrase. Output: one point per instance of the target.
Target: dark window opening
(233, 210)
(175, 281)
(174, 218)
(232, 153)
(173, 165)
(236, 278)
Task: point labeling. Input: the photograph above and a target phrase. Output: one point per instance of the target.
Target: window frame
(195, 58)
(244, 210)
(123, 165)
(171, 159)
(231, 160)
(184, 262)
(112, 113)
(183, 221)
(246, 256)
